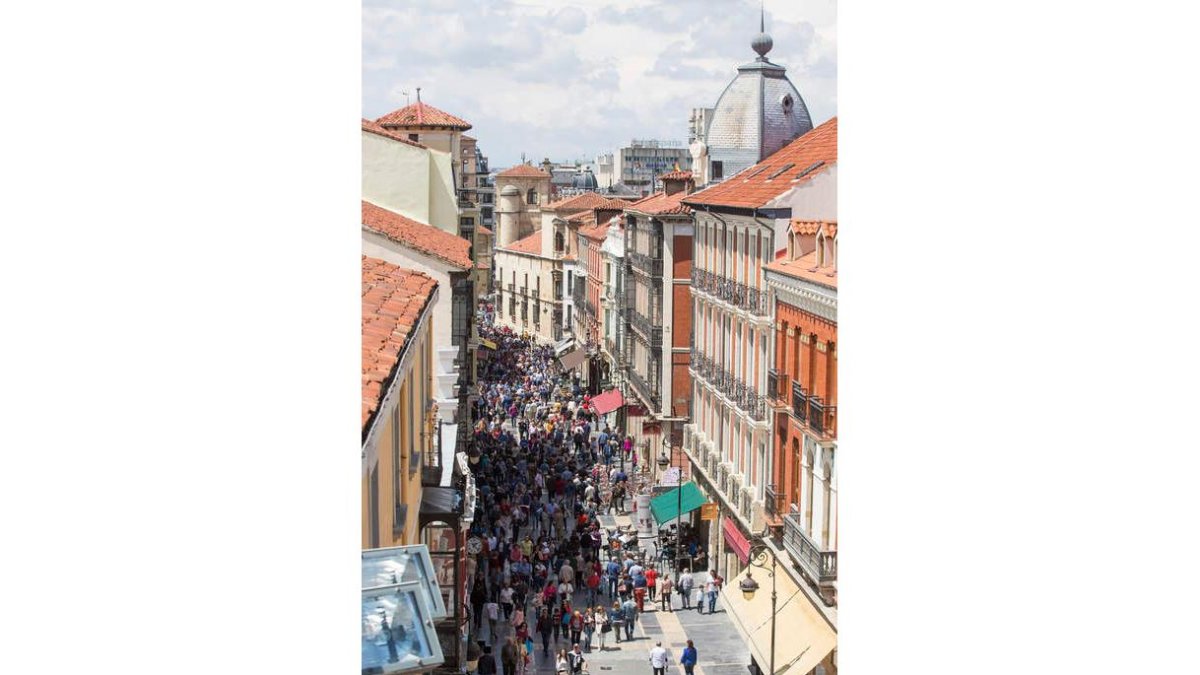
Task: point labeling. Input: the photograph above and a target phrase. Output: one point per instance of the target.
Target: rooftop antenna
(418, 94)
(762, 20)
(406, 99)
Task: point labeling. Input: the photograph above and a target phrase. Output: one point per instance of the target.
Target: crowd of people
(547, 470)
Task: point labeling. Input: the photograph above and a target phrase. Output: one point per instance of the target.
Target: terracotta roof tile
(661, 204)
(523, 171)
(393, 299)
(417, 235)
(676, 175)
(530, 244)
(759, 184)
(483, 229)
(371, 127)
(586, 200)
(583, 217)
(805, 267)
(422, 115)
(814, 226)
(595, 232)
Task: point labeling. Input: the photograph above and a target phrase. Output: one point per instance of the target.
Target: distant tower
(510, 206)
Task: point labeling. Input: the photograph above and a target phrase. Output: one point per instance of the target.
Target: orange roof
(417, 235)
(483, 229)
(530, 244)
(676, 175)
(422, 115)
(371, 127)
(759, 184)
(523, 171)
(583, 217)
(393, 300)
(595, 232)
(805, 268)
(661, 204)
(813, 227)
(587, 200)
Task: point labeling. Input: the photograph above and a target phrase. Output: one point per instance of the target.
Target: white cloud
(569, 80)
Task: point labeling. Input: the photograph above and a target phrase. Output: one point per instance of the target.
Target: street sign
(708, 511)
(671, 476)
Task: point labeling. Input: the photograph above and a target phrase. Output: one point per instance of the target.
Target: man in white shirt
(491, 610)
(659, 659)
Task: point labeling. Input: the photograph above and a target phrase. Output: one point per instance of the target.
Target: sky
(569, 80)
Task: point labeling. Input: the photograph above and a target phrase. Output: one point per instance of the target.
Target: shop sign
(709, 511)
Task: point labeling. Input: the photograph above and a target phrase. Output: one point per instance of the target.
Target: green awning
(664, 507)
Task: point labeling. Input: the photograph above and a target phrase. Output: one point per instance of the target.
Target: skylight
(781, 169)
(811, 167)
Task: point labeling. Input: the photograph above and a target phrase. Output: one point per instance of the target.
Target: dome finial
(762, 43)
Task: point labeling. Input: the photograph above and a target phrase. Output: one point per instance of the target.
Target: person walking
(491, 612)
(631, 615)
(506, 600)
(487, 663)
(710, 590)
(685, 589)
(603, 624)
(665, 586)
(589, 627)
(576, 626)
(575, 660)
(688, 660)
(561, 667)
(545, 626)
(617, 617)
(659, 659)
(651, 581)
(508, 656)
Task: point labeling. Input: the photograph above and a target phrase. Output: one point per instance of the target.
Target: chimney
(678, 181)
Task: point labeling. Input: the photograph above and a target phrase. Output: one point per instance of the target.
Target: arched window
(558, 242)
(531, 197)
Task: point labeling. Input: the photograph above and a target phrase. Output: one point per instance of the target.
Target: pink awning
(737, 542)
(608, 402)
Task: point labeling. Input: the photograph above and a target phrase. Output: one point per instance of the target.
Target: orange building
(802, 389)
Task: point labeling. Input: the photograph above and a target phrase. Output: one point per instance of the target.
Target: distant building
(522, 191)
(605, 172)
(759, 112)
(638, 164)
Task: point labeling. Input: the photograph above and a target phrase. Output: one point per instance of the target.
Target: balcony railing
(772, 384)
(649, 393)
(773, 503)
(822, 417)
(818, 565)
(651, 330)
(799, 402)
(645, 264)
(733, 292)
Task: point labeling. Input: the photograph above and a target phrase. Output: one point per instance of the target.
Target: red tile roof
(423, 115)
(418, 236)
(805, 267)
(595, 232)
(393, 300)
(759, 184)
(523, 171)
(813, 227)
(586, 200)
(661, 204)
(676, 175)
(483, 229)
(530, 244)
(371, 127)
(583, 217)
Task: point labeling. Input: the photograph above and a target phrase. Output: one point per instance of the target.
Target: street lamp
(758, 558)
(678, 506)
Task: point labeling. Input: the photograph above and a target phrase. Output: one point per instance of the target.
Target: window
(466, 222)
(531, 197)
(558, 242)
(414, 138)
(718, 170)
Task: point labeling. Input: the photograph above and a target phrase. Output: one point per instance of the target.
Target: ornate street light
(759, 552)
(664, 461)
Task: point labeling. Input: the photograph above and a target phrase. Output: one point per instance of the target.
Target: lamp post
(758, 558)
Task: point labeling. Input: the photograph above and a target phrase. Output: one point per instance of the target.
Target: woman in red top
(651, 581)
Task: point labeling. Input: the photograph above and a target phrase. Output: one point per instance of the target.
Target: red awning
(737, 542)
(608, 402)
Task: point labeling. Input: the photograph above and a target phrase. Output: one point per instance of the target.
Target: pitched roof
(423, 115)
(661, 204)
(371, 127)
(782, 171)
(483, 229)
(583, 217)
(586, 200)
(523, 171)
(676, 175)
(530, 244)
(595, 232)
(813, 226)
(417, 235)
(805, 268)
(393, 299)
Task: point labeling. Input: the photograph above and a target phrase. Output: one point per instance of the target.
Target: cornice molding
(816, 300)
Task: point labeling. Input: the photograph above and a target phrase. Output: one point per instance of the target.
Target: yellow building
(397, 395)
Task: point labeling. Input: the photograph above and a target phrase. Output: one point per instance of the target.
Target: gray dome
(758, 113)
(585, 180)
(510, 191)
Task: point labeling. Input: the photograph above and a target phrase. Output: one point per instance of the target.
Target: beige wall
(508, 263)
(410, 181)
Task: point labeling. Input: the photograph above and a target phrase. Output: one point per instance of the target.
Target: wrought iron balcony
(650, 330)
(773, 503)
(646, 264)
(648, 393)
(799, 402)
(822, 417)
(817, 564)
(772, 384)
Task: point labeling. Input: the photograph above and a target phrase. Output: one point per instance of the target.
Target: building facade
(523, 190)
(801, 499)
(409, 178)
(639, 164)
(658, 314)
(397, 376)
